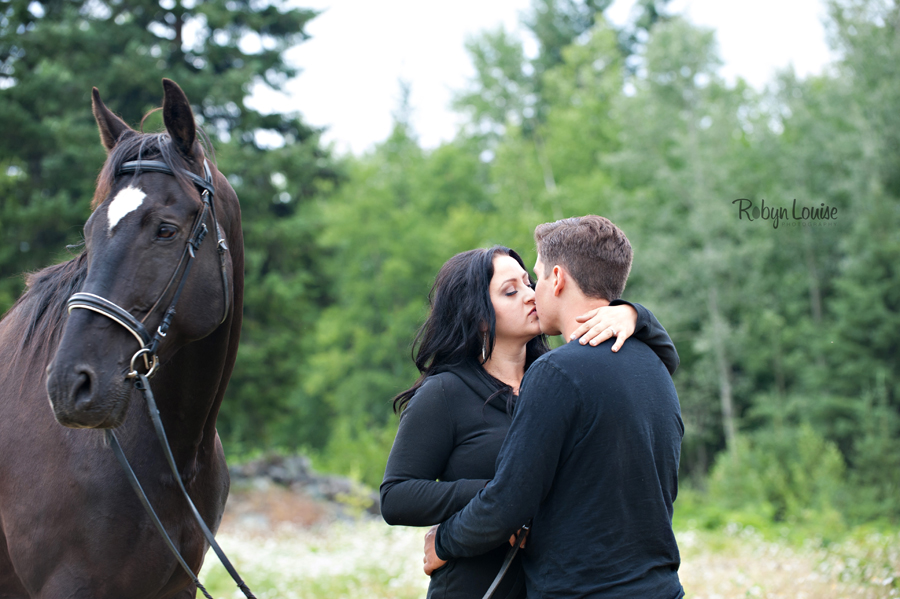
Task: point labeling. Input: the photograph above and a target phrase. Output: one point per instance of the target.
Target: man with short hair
(592, 453)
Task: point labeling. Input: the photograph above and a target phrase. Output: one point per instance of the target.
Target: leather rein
(149, 346)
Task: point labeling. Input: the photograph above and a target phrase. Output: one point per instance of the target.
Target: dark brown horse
(70, 525)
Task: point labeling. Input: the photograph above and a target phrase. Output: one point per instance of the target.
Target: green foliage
(286, 286)
(359, 452)
(789, 475)
(501, 91)
(556, 24)
(876, 456)
(387, 231)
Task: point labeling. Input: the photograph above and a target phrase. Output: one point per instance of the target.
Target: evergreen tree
(402, 214)
(865, 308)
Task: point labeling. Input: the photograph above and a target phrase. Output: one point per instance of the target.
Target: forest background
(788, 329)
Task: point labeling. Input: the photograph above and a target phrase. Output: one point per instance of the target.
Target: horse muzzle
(81, 399)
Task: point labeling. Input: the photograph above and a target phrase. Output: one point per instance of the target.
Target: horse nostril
(82, 388)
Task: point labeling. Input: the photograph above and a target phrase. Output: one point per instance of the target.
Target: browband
(158, 166)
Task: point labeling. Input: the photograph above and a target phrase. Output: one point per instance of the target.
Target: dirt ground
(272, 508)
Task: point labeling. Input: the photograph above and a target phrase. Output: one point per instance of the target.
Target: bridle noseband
(149, 344)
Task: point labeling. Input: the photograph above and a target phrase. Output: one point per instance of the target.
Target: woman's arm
(410, 493)
(622, 319)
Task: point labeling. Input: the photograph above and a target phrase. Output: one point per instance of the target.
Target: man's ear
(559, 280)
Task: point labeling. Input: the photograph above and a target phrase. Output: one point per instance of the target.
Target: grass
(368, 559)
(352, 560)
(739, 562)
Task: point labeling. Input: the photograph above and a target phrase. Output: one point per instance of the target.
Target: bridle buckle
(151, 368)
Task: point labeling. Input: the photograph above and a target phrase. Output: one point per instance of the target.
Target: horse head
(157, 197)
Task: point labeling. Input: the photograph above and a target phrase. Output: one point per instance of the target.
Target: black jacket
(592, 455)
(445, 453)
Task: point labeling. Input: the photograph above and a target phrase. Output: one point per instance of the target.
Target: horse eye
(166, 232)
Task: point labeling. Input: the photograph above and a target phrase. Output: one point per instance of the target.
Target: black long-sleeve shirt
(444, 453)
(592, 455)
(446, 450)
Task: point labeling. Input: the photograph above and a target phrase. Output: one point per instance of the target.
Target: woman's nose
(529, 295)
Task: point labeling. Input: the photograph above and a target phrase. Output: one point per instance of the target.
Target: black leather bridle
(149, 346)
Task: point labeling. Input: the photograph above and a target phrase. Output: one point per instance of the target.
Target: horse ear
(179, 118)
(111, 127)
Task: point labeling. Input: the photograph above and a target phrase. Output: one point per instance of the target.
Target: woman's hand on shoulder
(601, 324)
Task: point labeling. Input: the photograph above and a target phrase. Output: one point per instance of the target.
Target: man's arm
(546, 417)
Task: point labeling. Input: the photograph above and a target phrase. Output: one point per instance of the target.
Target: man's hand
(432, 561)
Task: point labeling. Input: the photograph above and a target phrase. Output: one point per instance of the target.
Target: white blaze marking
(127, 200)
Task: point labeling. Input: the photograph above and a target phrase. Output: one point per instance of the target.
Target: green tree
(402, 214)
(865, 307)
(673, 164)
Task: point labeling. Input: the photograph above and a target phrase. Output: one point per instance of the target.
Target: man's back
(593, 454)
(605, 523)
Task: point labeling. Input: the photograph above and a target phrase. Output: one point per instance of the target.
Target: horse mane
(41, 309)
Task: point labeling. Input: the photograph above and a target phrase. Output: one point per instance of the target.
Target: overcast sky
(361, 49)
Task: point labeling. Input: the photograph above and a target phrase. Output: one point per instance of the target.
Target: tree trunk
(724, 369)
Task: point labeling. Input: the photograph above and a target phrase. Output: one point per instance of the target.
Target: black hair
(462, 321)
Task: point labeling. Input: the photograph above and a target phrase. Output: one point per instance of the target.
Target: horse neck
(188, 391)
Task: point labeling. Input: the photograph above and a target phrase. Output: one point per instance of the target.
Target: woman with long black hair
(472, 351)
